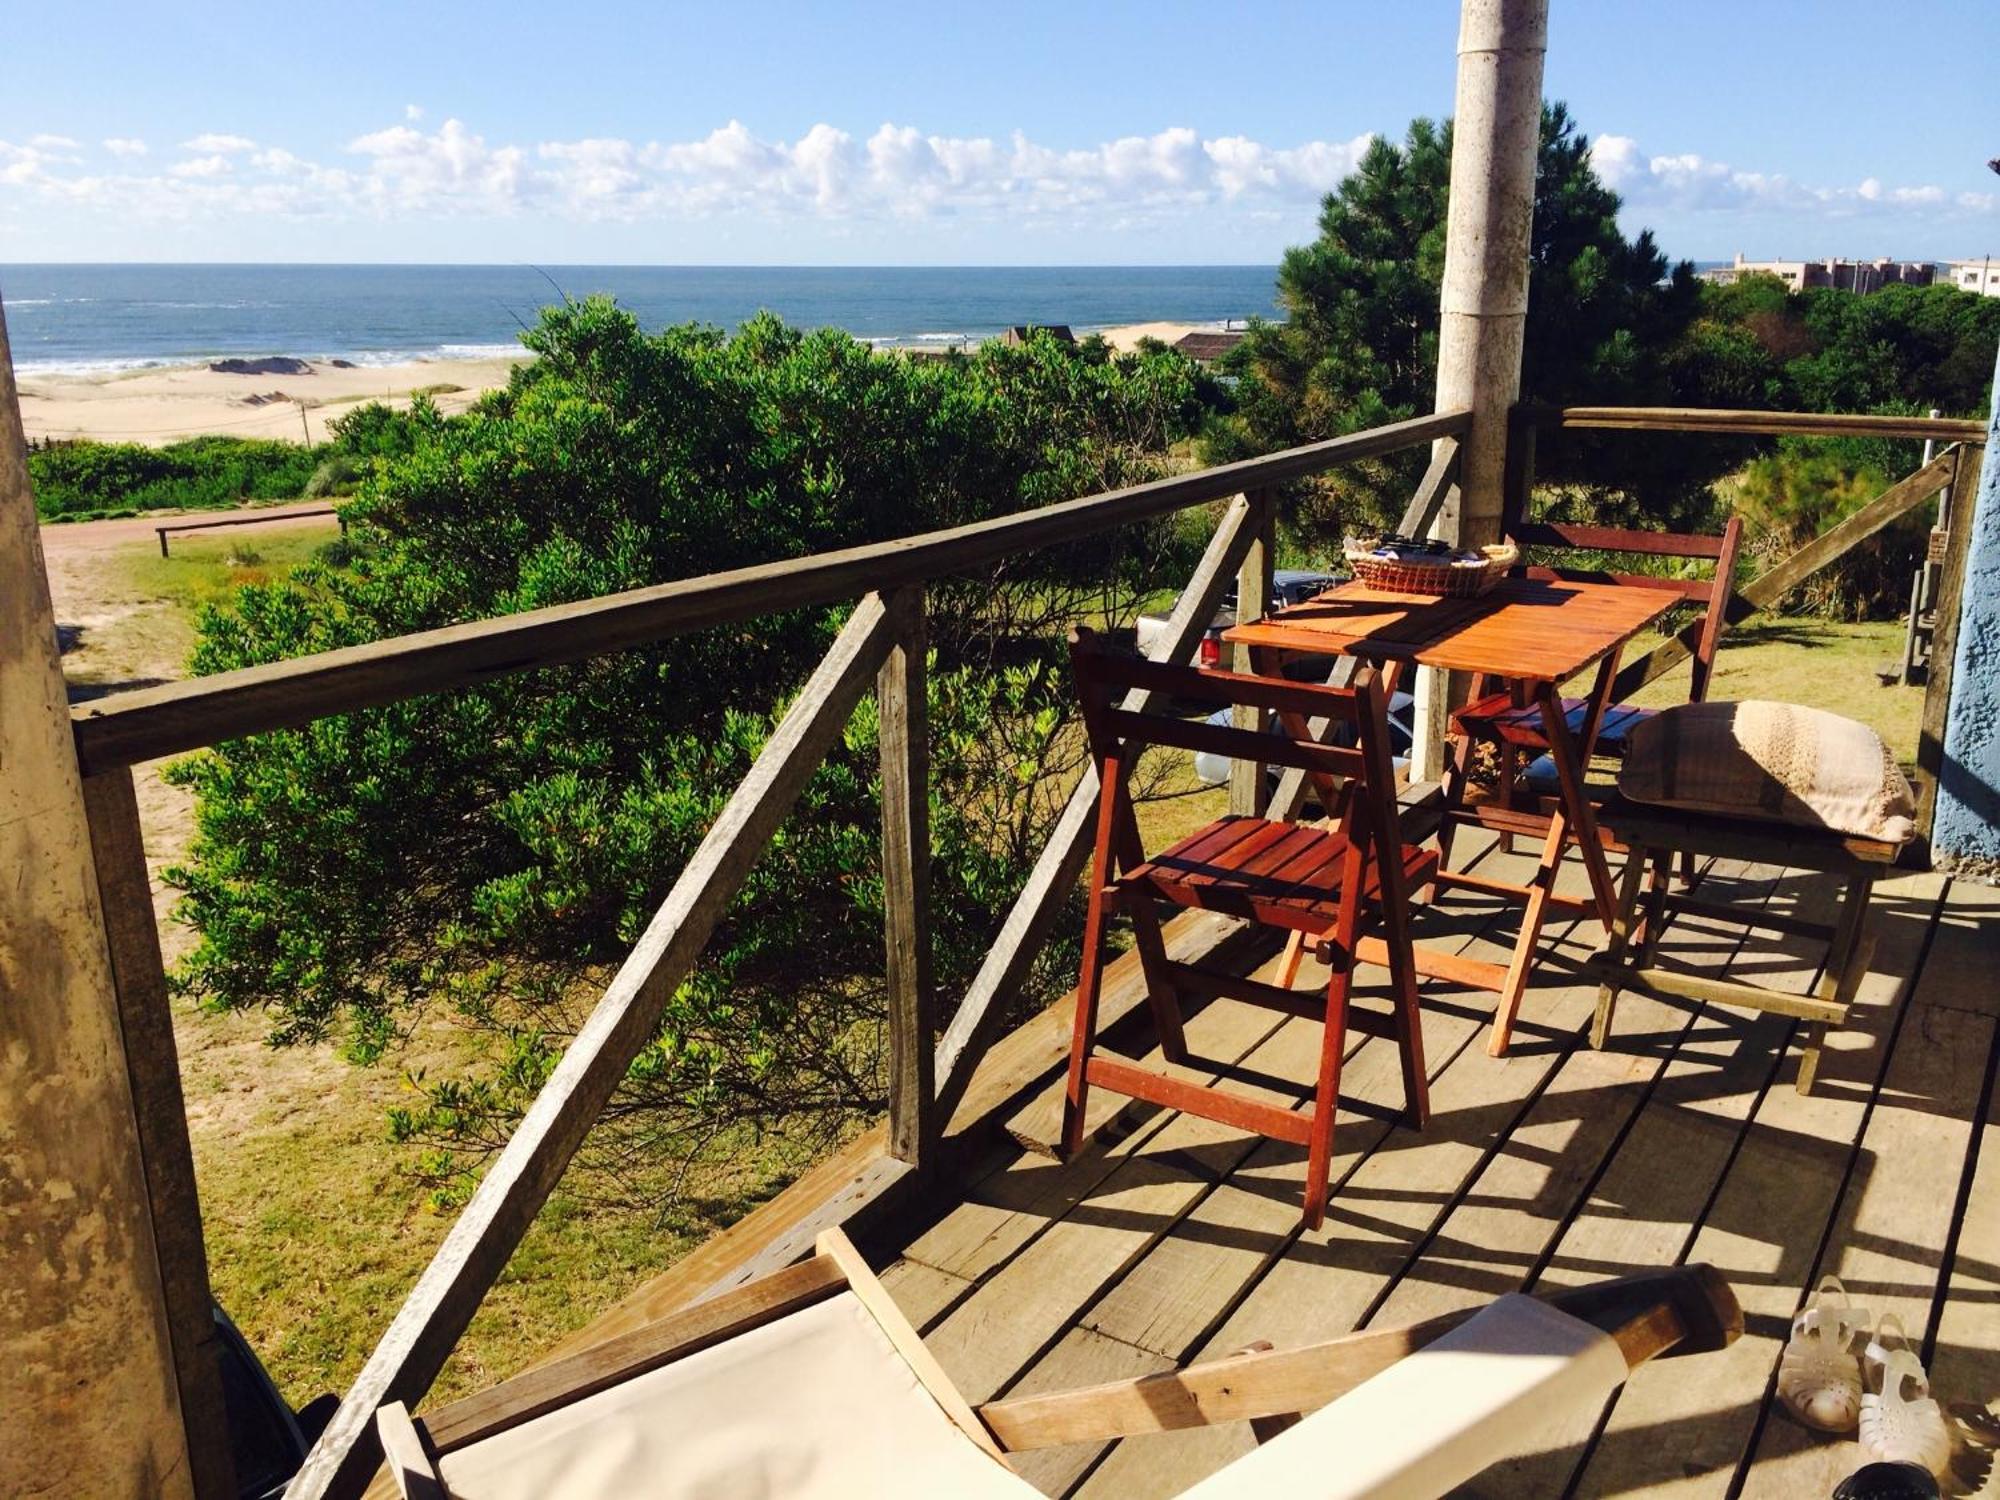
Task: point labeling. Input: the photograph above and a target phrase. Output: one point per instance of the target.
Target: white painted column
(89, 1402)
(1483, 311)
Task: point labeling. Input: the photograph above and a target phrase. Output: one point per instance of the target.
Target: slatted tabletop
(1527, 629)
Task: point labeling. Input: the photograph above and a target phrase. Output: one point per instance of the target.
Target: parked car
(1214, 769)
(1288, 586)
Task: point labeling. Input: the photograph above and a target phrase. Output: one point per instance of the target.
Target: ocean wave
(29, 366)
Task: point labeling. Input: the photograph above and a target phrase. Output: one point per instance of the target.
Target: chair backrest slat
(1711, 594)
(1112, 670)
(1236, 744)
(1617, 539)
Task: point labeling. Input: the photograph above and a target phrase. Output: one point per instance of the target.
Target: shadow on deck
(1171, 1238)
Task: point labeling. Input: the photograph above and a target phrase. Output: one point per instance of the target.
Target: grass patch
(205, 569)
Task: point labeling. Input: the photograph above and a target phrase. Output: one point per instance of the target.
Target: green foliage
(495, 851)
(208, 472)
(1360, 346)
(87, 480)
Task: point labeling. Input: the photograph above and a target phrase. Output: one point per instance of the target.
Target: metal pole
(1483, 308)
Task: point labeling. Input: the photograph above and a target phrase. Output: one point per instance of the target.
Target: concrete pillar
(1966, 834)
(1483, 310)
(88, 1396)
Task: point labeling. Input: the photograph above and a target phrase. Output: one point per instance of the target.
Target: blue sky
(1026, 133)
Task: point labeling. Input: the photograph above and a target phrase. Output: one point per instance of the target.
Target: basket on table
(1410, 565)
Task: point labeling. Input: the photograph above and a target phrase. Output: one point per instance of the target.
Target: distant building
(1020, 333)
(1981, 276)
(1206, 346)
(1861, 276)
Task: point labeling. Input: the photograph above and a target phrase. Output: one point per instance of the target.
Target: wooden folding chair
(809, 1384)
(1331, 884)
(1502, 716)
(1653, 834)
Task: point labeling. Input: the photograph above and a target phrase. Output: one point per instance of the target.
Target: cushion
(1776, 762)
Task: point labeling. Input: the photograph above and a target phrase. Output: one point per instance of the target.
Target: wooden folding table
(1533, 632)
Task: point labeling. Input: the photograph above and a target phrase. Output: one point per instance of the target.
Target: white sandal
(1900, 1423)
(1819, 1377)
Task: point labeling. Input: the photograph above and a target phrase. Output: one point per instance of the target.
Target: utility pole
(1483, 310)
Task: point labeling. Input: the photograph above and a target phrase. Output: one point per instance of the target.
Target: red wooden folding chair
(1502, 716)
(1346, 886)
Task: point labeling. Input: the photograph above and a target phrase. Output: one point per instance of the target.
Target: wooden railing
(882, 645)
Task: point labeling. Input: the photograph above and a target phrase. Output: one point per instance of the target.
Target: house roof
(1206, 346)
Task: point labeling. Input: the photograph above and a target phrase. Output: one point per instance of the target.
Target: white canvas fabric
(817, 1405)
(1484, 1392)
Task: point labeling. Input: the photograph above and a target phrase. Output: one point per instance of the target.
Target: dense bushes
(489, 853)
(83, 480)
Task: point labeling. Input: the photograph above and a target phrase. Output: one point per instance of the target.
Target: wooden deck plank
(1024, 1305)
(1325, 1281)
(1495, 1240)
(1894, 1223)
(1669, 1434)
(1645, 1207)
(1161, 1306)
(1964, 1366)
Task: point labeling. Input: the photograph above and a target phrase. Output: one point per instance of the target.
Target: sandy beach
(157, 406)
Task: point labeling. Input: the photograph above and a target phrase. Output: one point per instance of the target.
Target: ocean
(100, 318)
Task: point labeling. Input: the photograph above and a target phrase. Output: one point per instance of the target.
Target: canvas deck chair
(810, 1384)
(1345, 887)
(1502, 717)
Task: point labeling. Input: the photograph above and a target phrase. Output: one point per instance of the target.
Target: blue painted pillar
(1966, 834)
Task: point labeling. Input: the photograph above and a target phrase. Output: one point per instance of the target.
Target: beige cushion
(1771, 761)
(1494, 1387)
(815, 1404)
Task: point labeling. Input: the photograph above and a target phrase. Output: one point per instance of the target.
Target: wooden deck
(1171, 1238)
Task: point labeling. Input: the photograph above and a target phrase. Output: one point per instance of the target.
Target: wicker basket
(1446, 580)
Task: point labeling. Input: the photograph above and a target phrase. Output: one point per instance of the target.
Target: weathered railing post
(152, 1063)
(900, 694)
(1950, 607)
(1249, 792)
(91, 1399)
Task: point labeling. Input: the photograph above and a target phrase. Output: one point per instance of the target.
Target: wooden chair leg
(1533, 915)
(1457, 771)
(1840, 977)
(1656, 911)
(1161, 997)
(1288, 961)
(1619, 940)
(1090, 981)
(1326, 1095)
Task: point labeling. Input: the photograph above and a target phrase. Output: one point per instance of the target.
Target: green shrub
(195, 474)
(495, 851)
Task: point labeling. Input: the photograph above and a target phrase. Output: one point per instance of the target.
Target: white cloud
(54, 143)
(898, 172)
(413, 112)
(213, 144)
(200, 166)
(1692, 182)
